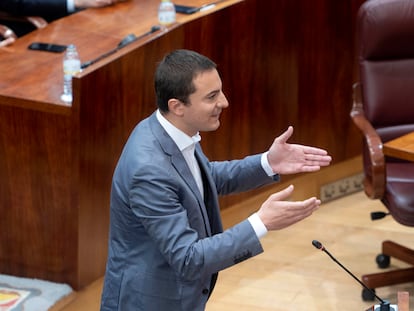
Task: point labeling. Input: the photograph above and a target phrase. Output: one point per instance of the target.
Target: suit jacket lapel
(210, 194)
(182, 168)
(179, 163)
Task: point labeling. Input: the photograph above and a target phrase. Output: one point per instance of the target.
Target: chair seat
(399, 194)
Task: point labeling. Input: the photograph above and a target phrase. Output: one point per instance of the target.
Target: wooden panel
(38, 222)
(286, 63)
(291, 63)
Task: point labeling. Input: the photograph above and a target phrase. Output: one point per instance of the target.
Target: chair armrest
(374, 183)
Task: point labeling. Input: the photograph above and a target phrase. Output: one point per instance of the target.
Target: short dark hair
(175, 74)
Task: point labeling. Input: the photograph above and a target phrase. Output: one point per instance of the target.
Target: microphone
(378, 215)
(124, 42)
(131, 37)
(384, 306)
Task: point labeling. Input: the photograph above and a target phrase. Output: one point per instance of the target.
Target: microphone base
(385, 307)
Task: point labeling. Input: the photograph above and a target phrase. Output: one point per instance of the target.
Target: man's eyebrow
(214, 92)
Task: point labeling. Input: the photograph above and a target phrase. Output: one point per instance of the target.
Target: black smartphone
(48, 47)
(186, 9)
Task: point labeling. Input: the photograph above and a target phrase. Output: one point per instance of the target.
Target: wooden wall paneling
(285, 63)
(38, 223)
(282, 63)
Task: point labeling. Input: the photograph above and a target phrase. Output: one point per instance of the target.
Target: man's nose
(223, 102)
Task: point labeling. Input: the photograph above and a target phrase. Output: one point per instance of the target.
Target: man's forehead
(206, 76)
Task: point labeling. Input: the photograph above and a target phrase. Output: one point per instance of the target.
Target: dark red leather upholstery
(386, 59)
(384, 107)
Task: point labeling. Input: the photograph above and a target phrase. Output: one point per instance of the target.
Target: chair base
(393, 277)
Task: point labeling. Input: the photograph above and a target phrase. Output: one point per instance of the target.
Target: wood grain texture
(401, 147)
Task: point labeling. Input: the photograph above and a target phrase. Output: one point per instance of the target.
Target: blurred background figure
(7, 36)
(13, 13)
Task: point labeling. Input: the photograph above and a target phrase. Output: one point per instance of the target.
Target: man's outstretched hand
(277, 213)
(285, 158)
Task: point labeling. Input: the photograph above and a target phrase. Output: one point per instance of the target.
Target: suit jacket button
(205, 291)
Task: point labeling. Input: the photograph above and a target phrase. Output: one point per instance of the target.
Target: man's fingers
(7, 41)
(318, 158)
(282, 195)
(283, 138)
(314, 151)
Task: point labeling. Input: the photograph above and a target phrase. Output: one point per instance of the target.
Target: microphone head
(127, 40)
(317, 244)
(378, 215)
(155, 28)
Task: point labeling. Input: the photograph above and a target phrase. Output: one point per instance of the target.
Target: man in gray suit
(166, 242)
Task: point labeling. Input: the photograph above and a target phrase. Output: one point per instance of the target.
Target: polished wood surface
(94, 32)
(291, 274)
(282, 63)
(401, 147)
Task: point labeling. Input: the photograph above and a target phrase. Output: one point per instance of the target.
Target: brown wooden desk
(401, 147)
(282, 63)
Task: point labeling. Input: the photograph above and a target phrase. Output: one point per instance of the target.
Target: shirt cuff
(70, 5)
(267, 168)
(258, 226)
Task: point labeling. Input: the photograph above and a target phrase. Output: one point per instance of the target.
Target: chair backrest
(386, 59)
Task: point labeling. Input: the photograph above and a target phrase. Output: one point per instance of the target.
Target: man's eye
(212, 96)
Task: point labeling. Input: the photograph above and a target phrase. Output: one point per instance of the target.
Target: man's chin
(215, 126)
(211, 128)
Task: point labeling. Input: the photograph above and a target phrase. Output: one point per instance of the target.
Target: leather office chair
(383, 109)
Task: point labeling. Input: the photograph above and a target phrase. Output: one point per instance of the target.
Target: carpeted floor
(24, 294)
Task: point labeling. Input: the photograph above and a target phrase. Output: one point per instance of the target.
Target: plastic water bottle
(71, 66)
(166, 13)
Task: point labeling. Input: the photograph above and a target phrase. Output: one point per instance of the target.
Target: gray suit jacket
(165, 242)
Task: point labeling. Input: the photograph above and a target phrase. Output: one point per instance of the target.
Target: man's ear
(175, 107)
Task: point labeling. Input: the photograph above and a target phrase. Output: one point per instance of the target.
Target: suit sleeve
(46, 8)
(164, 212)
(239, 175)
